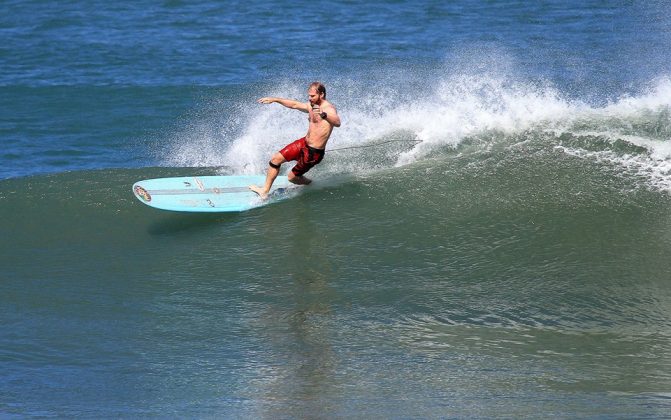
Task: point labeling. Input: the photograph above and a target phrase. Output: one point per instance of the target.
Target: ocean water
(489, 234)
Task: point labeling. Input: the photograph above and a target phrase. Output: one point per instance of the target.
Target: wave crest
(410, 124)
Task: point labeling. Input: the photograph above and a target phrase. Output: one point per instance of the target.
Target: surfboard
(208, 193)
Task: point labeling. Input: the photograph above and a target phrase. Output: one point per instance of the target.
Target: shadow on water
(299, 327)
(185, 222)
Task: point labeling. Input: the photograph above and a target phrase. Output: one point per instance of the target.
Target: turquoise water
(488, 235)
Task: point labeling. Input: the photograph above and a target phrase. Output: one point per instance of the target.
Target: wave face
(524, 239)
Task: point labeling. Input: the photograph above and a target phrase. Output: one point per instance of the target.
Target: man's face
(313, 96)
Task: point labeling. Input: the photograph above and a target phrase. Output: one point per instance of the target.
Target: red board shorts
(306, 156)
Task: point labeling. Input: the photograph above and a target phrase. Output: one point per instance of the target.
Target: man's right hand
(266, 100)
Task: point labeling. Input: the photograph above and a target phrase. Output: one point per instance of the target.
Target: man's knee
(276, 161)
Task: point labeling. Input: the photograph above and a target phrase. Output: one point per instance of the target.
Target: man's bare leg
(278, 160)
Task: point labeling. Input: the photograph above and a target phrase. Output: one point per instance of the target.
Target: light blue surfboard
(208, 193)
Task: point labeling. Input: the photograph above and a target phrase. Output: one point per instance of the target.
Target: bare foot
(263, 194)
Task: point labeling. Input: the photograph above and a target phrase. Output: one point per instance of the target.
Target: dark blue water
(488, 235)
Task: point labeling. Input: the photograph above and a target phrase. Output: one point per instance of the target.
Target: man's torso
(319, 130)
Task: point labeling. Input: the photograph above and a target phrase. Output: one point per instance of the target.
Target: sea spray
(463, 113)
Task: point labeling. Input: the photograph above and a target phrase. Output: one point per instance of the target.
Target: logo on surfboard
(142, 193)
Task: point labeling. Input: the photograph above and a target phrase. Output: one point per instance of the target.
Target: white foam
(456, 108)
(654, 172)
(466, 106)
(643, 121)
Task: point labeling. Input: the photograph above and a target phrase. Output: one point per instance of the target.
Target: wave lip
(395, 127)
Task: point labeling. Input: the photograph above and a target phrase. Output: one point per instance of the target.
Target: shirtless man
(309, 150)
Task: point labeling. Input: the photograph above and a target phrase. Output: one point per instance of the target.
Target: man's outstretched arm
(289, 103)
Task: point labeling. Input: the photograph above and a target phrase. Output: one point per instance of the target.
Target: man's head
(316, 92)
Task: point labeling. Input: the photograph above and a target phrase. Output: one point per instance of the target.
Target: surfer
(309, 150)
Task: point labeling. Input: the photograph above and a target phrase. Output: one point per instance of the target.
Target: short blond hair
(319, 86)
